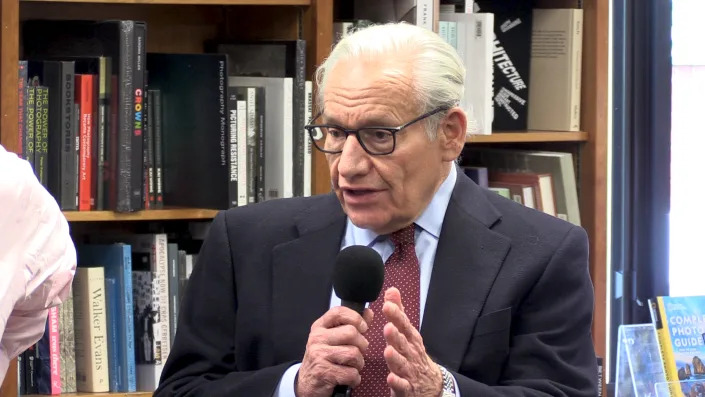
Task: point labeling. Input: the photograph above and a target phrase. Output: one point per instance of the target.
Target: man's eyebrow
(379, 121)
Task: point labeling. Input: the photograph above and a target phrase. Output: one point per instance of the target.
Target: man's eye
(336, 133)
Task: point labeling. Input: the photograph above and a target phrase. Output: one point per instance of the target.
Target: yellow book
(680, 330)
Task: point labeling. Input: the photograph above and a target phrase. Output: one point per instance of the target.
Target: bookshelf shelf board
(132, 394)
(530, 136)
(148, 215)
(181, 2)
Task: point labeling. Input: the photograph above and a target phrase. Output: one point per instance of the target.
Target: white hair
(438, 73)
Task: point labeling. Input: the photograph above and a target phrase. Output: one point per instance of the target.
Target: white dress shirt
(37, 257)
(428, 229)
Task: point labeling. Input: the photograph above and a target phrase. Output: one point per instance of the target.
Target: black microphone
(357, 279)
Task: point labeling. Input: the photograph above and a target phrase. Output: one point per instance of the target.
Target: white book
(308, 145)
(475, 43)
(154, 245)
(91, 330)
(279, 132)
(241, 132)
(556, 66)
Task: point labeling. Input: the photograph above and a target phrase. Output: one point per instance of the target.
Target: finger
(393, 295)
(394, 314)
(341, 315)
(397, 363)
(400, 386)
(368, 315)
(396, 339)
(344, 335)
(348, 356)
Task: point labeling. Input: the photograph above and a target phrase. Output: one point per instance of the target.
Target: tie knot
(403, 236)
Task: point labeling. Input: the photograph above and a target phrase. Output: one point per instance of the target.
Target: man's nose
(354, 159)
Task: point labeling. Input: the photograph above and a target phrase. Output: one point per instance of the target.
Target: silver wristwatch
(448, 383)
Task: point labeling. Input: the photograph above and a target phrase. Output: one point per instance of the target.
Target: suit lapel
(468, 258)
(302, 270)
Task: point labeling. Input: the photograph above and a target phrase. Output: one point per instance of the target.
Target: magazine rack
(639, 367)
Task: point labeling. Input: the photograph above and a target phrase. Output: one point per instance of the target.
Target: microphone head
(359, 274)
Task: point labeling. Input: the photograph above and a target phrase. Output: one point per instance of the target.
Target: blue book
(117, 261)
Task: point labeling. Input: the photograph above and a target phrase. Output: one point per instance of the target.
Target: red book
(85, 98)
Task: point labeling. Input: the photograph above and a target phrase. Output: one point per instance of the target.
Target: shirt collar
(431, 218)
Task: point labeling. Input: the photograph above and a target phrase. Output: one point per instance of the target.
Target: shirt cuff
(457, 389)
(286, 387)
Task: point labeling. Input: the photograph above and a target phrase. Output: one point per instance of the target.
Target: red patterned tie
(401, 271)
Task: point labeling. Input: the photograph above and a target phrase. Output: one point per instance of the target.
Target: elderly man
(482, 296)
(37, 257)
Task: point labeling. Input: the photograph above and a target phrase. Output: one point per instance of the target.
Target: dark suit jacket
(508, 310)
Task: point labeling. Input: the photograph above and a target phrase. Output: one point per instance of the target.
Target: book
(277, 58)
(475, 45)
(556, 65)
(193, 113)
(48, 353)
(680, 329)
(67, 345)
(511, 58)
(90, 330)
(419, 12)
(116, 259)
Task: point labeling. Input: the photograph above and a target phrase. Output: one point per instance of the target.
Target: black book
(511, 58)
(275, 58)
(58, 76)
(114, 39)
(194, 127)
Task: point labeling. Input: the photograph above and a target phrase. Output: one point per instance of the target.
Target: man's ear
(452, 132)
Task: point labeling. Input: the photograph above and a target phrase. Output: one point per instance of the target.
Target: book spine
(242, 175)
(77, 147)
(126, 118)
(424, 13)
(31, 369)
(308, 145)
(658, 317)
(261, 140)
(41, 135)
(161, 271)
(28, 149)
(299, 108)
(48, 365)
(21, 107)
(137, 164)
(67, 345)
(158, 151)
(84, 96)
(233, 150)
(576, 68)
(104, 129)
(146, 150)
(68, 187)
(112, 305)
(54, 351)
(173, 258)
(251, 144)
(90, 330)
(128, 318)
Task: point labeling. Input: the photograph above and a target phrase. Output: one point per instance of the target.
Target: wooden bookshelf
(178, 2)
(133, 394)
(269, 19)
(148, 215)
(529, 136)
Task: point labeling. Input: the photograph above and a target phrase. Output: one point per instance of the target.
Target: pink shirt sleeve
(37, 257)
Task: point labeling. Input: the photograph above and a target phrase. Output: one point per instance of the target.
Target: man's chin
(371, 220)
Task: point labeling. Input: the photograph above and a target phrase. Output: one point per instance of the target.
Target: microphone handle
(343, 390)
(357, 306)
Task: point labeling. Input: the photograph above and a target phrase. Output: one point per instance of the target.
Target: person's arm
(552, 353)
(37, 257)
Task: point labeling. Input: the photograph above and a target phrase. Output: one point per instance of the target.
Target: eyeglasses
(377, 141)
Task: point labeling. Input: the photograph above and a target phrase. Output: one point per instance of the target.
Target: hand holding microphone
(334, 351)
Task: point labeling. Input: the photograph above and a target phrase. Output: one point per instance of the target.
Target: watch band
(448, 383)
